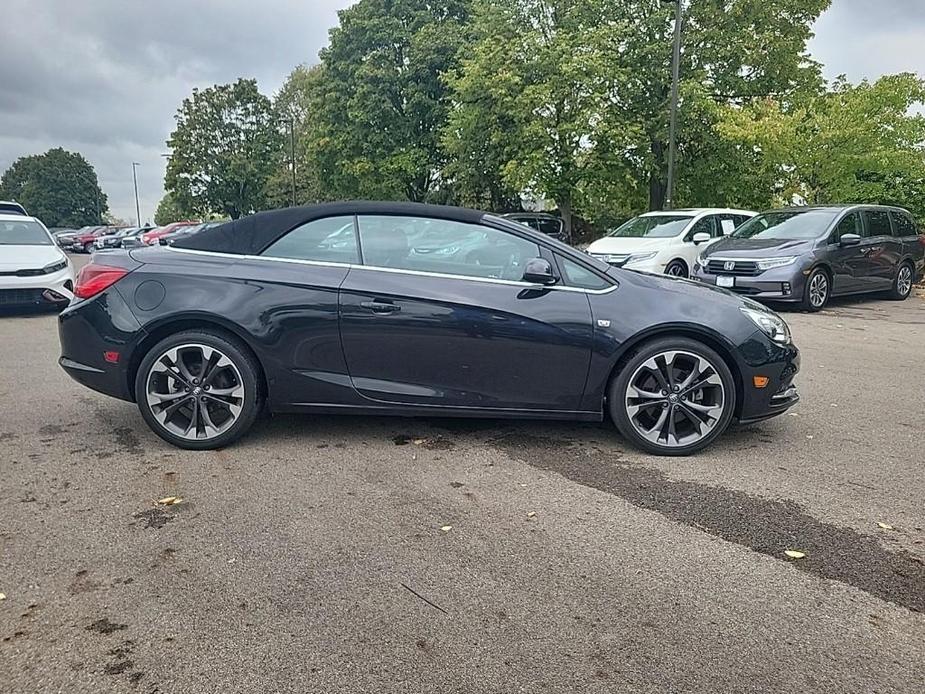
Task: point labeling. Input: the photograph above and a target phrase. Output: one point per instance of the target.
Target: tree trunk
(565, 209)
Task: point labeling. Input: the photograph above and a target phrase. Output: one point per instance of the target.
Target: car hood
(28, 257)
(758, 248)
(626, 244)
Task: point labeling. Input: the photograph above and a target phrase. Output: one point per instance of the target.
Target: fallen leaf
(794, 554)
(884, 526)
(170, 500)
(418, 442)
(793, 414)
(809, 436)
(531, 514)
(446, 528)
(2, 596)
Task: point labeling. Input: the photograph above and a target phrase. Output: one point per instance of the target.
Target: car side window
(443, 246)
(903, 224)
(705, 225)
(850, 224)
(878, 223)
(576, 275)
(330, 240)
(549, 226)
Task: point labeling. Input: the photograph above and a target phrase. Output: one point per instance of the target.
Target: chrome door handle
(380, 307)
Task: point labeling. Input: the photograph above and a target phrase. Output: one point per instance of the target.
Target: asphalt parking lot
(344, 554)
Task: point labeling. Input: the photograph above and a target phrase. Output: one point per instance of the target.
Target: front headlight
(701, 260)
(54, 267)
(770, 263)
(639, 257)
(770, 324)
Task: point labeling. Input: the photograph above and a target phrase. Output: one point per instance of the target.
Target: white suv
(667, 242)
(33, 270)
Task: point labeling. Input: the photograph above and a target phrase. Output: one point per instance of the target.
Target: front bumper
(54, 289)
(779, 284)
(780, 364)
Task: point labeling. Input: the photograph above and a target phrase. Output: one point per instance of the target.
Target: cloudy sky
(105, 77)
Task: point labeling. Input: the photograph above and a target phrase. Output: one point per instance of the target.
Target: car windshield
(25, 233)
(654, 227)
(787, 224)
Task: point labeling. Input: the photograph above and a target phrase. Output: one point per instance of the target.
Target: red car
(85, 238)
(152, 237)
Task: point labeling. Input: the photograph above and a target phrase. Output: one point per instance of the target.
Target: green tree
(531, 100)
(296, 103)
(168, 211)
(58, 187)
(378, 104)
(225, 147)
(850, 144)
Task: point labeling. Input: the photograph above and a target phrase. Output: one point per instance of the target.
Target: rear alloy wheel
(676, 268)
(198, 390)
(902, 285)
(673, 397)
(817, 291)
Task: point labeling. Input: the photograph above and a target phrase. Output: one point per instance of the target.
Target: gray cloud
(105, 77)
(862, 39)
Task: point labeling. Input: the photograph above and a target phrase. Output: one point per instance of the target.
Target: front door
(438, 316)
(849, 264)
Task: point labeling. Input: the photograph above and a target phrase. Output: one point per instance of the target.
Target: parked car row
(803, 255)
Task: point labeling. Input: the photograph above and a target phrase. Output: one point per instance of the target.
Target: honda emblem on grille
(729, 265)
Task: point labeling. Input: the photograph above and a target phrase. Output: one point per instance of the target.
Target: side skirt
(436, 411)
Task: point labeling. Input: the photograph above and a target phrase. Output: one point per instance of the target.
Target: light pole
(135, 181)
(673, 119)
(291, 121)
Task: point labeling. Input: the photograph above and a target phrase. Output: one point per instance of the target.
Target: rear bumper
(98, 337)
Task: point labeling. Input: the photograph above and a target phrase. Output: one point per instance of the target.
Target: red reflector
(93, 278)
(111, 357)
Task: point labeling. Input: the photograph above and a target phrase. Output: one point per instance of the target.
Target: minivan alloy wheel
(904, 280)
(195, 391)
(819, 289)
(675, 398)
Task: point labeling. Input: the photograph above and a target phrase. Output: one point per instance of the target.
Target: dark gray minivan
(809, 254)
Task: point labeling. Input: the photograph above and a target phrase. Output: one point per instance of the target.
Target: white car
(34, 271)
(667, 242)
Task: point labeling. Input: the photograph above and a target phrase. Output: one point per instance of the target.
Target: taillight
(94, 278)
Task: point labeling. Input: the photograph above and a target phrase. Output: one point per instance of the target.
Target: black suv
(809, 254)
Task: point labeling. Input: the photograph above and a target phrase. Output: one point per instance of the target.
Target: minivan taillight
(94, 278)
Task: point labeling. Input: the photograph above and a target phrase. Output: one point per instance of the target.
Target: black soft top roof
(251, 235)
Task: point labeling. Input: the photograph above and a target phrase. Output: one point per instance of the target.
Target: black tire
(618, 390)
(818, 281)
(243, 361)
(902, 283)
(677, 268)
(88, 248)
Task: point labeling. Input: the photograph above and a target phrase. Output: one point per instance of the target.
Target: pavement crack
(763, 525)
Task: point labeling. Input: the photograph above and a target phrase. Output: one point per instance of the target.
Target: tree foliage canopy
(224, 149)
(58, 187)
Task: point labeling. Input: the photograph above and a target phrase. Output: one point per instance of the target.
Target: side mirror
(539, 271)
(849, 240)
(701, 237)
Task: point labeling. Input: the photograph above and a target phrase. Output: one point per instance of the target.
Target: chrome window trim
(400, 271)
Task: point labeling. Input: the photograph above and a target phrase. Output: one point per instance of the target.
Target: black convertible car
(406, 309)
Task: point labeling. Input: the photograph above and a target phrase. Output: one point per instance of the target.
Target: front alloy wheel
(816, 293)
(673, 398)
(676, 268)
